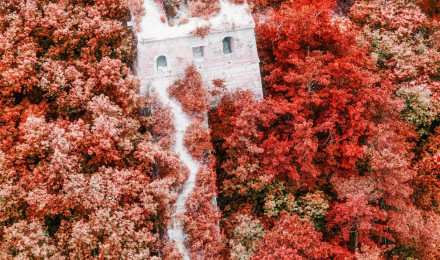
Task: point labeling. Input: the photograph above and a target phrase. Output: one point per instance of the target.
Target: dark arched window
(227, 45)
(161, 63)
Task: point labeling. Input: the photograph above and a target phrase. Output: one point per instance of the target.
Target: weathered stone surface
(240, 69)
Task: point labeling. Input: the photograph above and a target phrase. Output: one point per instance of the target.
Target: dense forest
(339, 160)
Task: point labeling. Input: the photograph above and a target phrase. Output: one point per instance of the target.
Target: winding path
(181, 121)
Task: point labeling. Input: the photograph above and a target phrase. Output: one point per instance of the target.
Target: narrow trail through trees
(181, 122)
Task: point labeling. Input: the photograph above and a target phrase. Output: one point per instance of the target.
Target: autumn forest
(339, 160)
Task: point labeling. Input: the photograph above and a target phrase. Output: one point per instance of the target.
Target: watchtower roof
(155, 27)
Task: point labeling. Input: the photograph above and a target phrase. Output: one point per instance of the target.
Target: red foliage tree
(190, 92)
(293, 238)
(330, 120)
(202, 218)
(358, 221)
(197, 140)
(138, 11)
(404, 47)
(319, 66)
(199, 8)
(261, 5)
(81, 175)
(430, 7)
(201, 31)
(326, 100)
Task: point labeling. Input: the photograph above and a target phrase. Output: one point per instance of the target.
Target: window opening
(227, 45)
(161, 63)
(198, 52)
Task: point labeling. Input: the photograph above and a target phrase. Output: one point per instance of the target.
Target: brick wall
(240, 69)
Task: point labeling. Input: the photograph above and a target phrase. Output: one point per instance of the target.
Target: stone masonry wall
(240, 69)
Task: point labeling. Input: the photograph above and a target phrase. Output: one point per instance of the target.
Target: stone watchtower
(227, 52)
